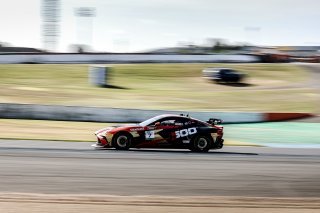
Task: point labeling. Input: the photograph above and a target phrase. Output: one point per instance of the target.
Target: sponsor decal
(136, 129)
(185, 132)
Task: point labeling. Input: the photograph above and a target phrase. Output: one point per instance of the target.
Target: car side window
(168, 122)
(179, 122)
(182, 122)
(192, 123)
(174, 122)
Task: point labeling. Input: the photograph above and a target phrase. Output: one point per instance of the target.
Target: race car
(164, 131)
(225, 75)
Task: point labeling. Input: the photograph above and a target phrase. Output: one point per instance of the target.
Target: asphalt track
(76, 168)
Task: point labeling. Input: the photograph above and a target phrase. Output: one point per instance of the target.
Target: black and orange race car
(164, 131)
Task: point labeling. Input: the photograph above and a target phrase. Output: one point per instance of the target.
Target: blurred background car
(225, 75)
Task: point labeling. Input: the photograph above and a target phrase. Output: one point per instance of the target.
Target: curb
(273, 116)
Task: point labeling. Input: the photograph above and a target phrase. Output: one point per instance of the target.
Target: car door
(160, 132)
(175, 130)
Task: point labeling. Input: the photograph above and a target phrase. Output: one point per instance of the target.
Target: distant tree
(79, 48)
(4, 44)
(221, 45)
(217, 47)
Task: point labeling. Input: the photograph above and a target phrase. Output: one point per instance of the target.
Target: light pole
(50, 23)
(84, 17)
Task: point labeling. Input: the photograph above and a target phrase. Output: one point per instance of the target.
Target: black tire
(201, 143)
(122, 141)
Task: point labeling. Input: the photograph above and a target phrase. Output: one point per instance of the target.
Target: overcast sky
(135, 25)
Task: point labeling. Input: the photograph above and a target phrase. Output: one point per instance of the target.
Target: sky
(138, 25)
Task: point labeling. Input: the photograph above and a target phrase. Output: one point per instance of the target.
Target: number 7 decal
(149, 134)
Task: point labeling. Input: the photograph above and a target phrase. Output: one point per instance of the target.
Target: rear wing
(214, 121)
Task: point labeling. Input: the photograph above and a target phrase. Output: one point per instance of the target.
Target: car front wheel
(122, 141)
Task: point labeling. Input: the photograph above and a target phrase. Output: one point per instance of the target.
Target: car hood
(108, 129)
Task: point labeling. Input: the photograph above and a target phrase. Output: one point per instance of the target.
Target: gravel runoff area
(30, 203)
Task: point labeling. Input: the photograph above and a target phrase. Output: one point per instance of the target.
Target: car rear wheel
(122, 141)
(201, 143)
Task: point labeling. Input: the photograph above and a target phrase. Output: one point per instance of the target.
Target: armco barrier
(97, 114)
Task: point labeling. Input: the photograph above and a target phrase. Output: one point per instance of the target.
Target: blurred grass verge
(16, 129)
(272, 87)
(48, 130)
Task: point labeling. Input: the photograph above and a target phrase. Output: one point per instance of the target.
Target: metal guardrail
(97, 114)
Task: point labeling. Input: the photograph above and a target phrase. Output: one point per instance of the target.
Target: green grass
(49, 130)
(160, 86)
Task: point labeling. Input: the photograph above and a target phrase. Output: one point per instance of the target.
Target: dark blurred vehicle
(223, 75)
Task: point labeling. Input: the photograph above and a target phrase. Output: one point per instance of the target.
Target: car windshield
(149, 121)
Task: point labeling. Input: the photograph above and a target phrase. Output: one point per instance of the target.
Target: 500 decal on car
(185, 132)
